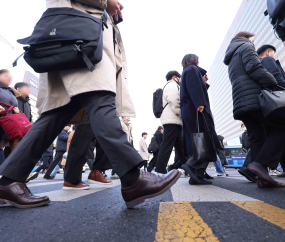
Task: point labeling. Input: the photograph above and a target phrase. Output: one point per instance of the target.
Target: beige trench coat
(57, 88)
(143, 149)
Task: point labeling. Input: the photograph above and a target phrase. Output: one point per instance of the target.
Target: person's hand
(200, 109)
(206, 78)
(16, 110)
(2, 109)
(114, 8)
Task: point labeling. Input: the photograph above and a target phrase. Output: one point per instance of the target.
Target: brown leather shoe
(262, 174)
(264, 184)
(67, 186)
(149, 185)
(96, 177)
(18, 195)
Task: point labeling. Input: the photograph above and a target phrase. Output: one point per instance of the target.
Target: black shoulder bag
(203, 145)
(64, 38)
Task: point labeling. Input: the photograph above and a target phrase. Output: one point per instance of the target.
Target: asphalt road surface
(232, 209)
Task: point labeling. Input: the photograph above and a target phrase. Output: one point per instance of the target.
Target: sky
(156, 35)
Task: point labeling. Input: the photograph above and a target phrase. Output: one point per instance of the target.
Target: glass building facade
(250, 18)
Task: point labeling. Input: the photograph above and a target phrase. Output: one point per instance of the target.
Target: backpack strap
(162, 96)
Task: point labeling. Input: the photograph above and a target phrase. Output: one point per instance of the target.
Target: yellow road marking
(179, 222)
(266, 211)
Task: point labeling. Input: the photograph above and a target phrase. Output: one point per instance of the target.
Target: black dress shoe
(48, 177)
(207, 176)
(248, 174)
(281, 175)
(202, 182)
(262, 173)
(18, 195)
(191, 172)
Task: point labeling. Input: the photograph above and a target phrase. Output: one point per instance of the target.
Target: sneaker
(32, 176)
(75, 187)
(96, 177)
(115, 176)
(275, 173)
(221, 175)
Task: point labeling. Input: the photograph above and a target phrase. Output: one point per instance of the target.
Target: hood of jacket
(234, 45)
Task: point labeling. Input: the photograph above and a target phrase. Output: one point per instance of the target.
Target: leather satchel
(203, 144)
(272, 103)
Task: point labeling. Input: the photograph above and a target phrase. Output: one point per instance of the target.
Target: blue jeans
(218, 165)
(55, 170)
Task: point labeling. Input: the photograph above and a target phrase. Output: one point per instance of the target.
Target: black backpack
(157, 104)
(64, 38)
(153, 146)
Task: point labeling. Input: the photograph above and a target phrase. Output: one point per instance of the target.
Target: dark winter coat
(274, 67)
(49, 151)
(198, 96)
(25, 107)
(7, 95)
(248, 76)
(61, 143)
(245, 141)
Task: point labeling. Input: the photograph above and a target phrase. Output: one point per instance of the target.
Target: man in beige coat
(72, 94)
(143, 149)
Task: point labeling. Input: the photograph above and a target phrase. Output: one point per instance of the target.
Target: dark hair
(244, 34)
(264, 48)
(2, 71)
(190, 59)
(171, 74)
(158, 129)
(242, 125)
(143, 133)
(21, 84)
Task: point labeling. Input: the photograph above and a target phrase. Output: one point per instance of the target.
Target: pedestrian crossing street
(178, 220)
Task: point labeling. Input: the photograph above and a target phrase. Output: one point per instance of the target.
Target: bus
(235, 156)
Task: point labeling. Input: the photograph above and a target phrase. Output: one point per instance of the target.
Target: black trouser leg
(153, 161)
(247, 159)
(57, 160)
(178, 145)
(101, 162)
(100, 109)
(272, 150)
(77, 153)
(256, 129)
(46, 163)
(21, 162)
(170, 134)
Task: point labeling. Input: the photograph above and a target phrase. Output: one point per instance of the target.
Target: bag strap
(85, 58)
(8, 110)
(211, 136)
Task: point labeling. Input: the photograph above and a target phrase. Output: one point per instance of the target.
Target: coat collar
(7, 88)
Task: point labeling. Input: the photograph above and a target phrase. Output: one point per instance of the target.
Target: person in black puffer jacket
(248, 77)
(158, 136)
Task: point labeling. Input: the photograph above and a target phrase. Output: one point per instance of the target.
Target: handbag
(16, 126)
(203, 144)
(63, 39)
(272, 103)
